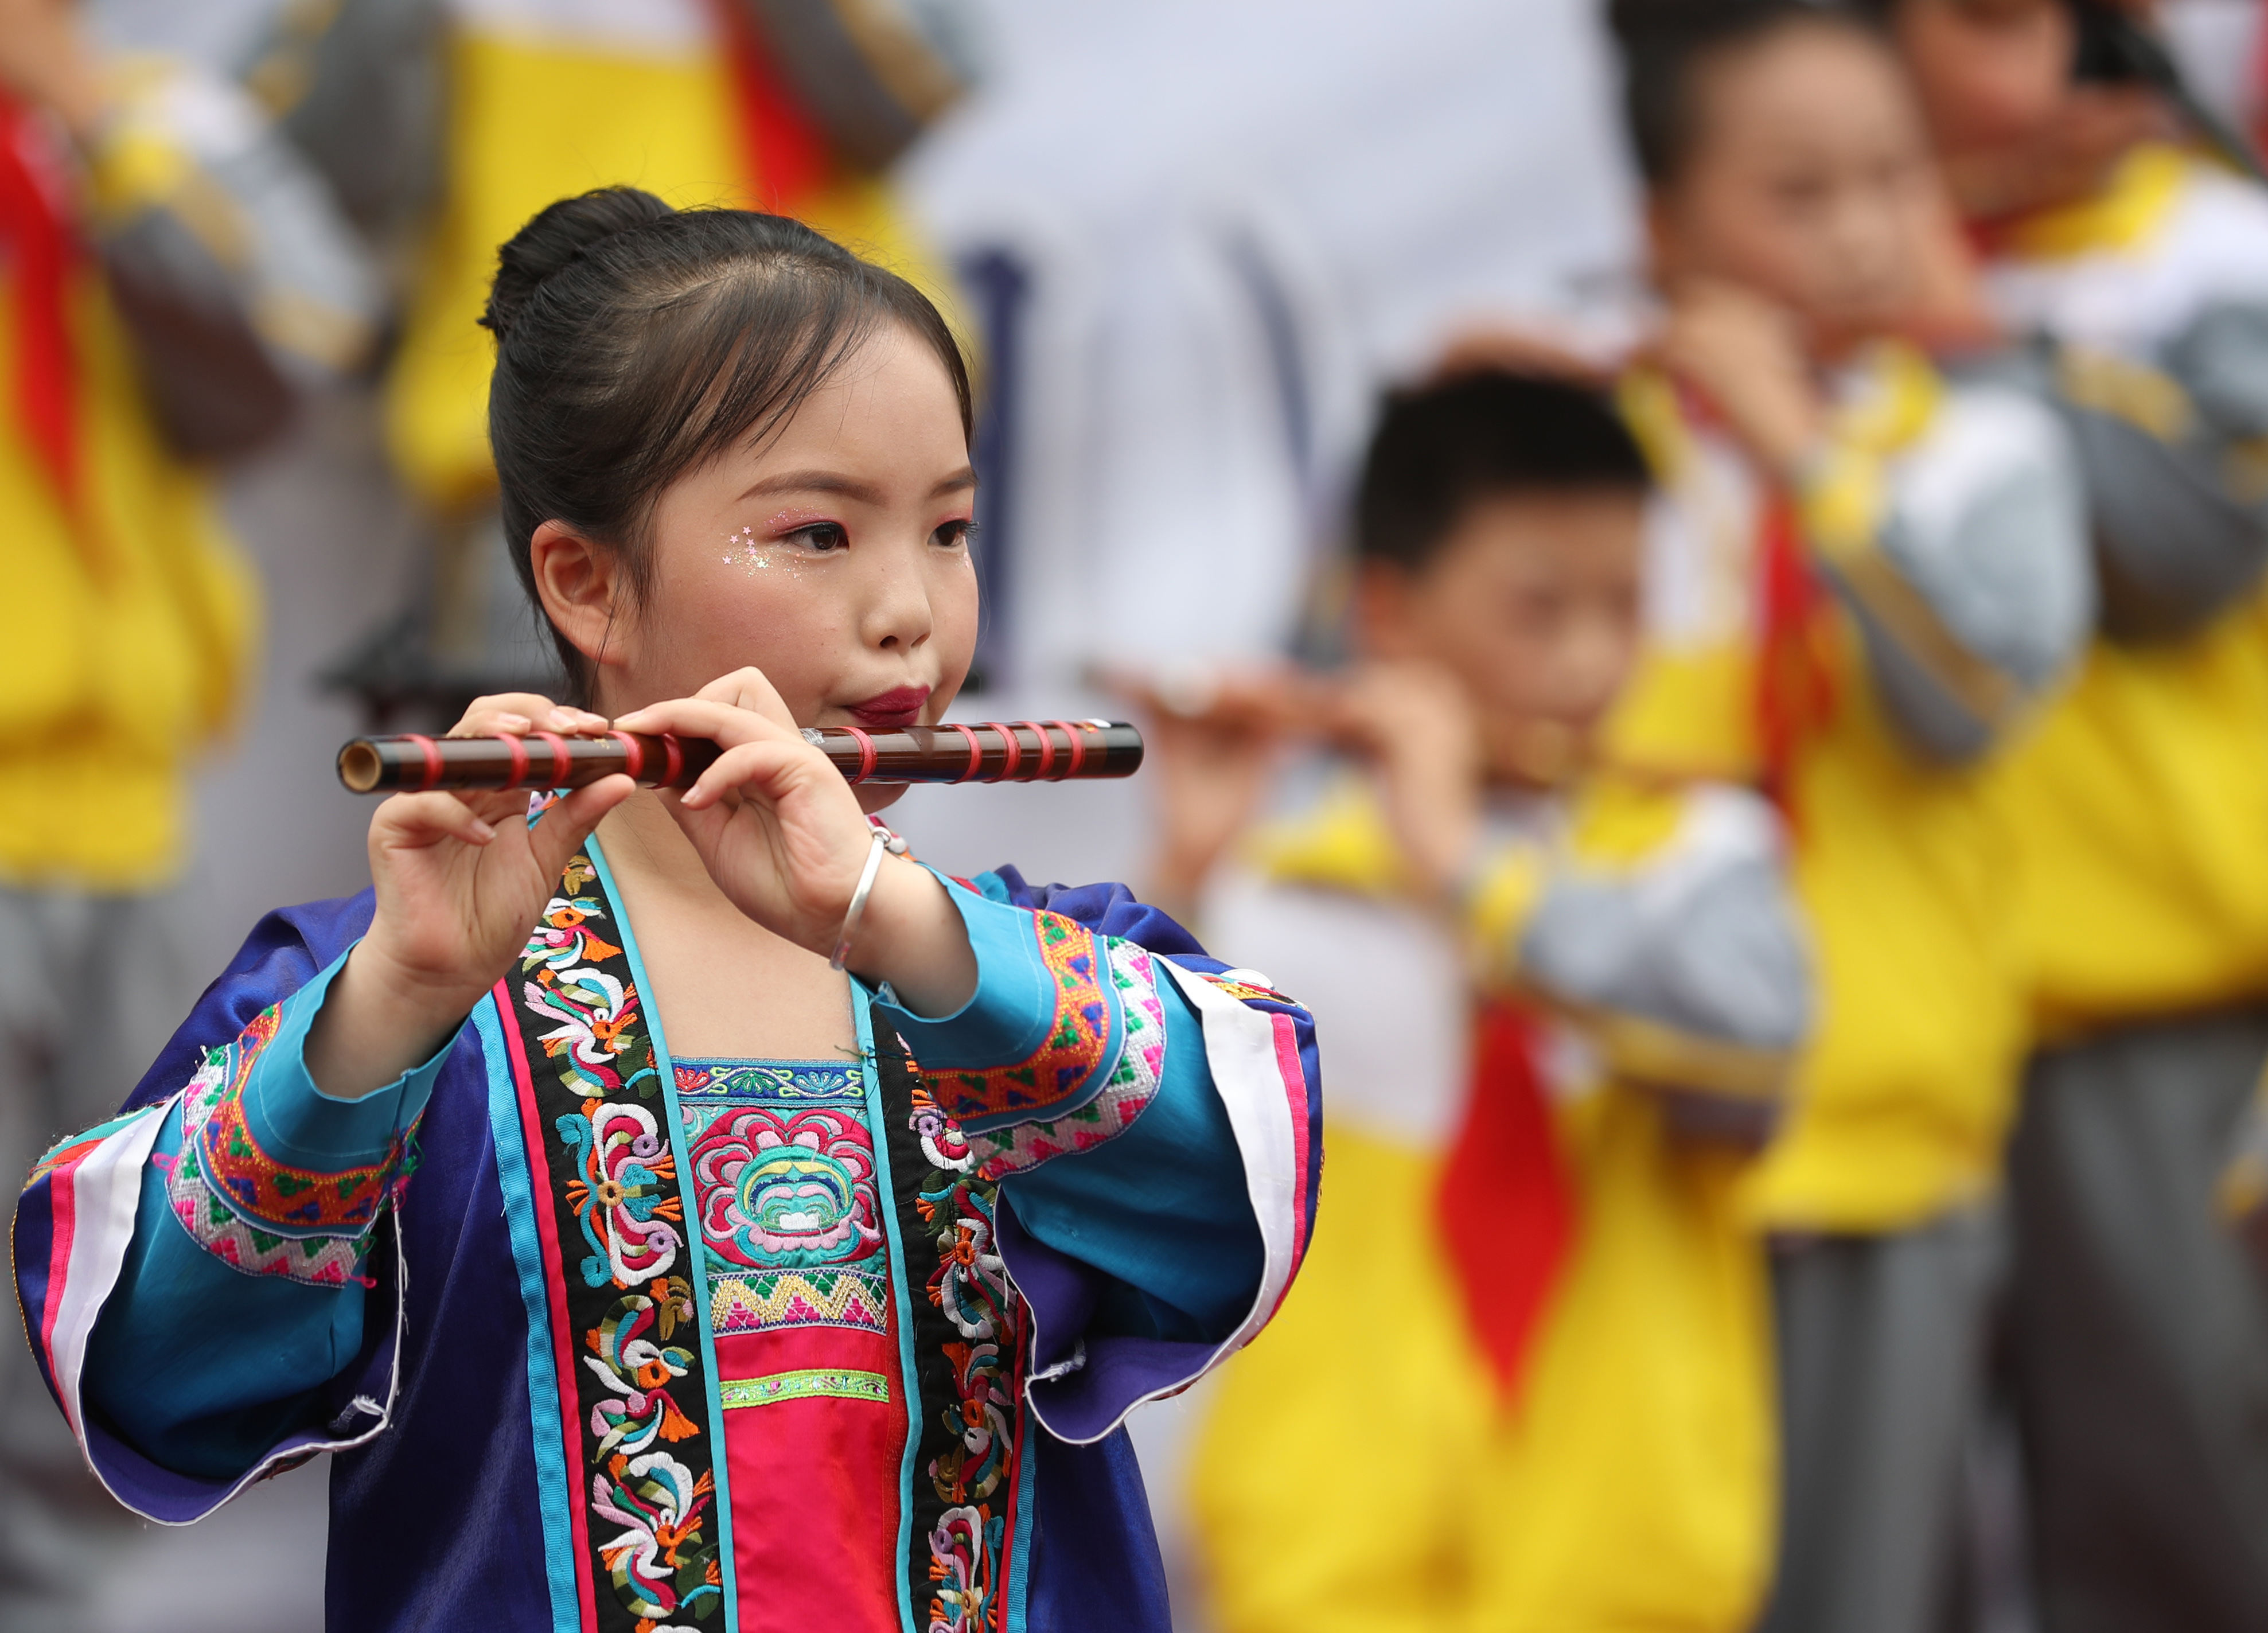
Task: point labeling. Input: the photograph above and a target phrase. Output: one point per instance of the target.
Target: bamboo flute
(991, 750)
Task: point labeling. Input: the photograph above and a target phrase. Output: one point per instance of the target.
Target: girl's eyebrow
(848, 487)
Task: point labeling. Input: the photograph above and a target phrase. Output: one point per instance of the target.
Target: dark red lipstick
(891, 710)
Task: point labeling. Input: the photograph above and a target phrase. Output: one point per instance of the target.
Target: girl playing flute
(643, 1269)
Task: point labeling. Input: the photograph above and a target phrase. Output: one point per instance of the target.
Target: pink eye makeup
(788, 541)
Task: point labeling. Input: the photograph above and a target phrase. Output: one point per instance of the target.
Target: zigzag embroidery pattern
(740, 1303)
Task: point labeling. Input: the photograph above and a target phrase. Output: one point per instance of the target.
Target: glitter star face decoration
(743, 549)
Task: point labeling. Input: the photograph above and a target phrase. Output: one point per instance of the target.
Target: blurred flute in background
(991, 750)
(1284, 703)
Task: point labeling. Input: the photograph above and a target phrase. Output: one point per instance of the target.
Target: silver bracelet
(858, 909)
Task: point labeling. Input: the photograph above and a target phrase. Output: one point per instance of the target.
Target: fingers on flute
(724, 723)
(748, 687)
(567, 823)
(761, 765)
(417, 820)
(516, 714)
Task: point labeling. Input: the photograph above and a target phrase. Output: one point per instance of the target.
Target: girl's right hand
(460, 879)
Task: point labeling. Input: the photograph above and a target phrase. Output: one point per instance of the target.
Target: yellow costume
(1371, 1477)
(2143, 898)
(1902, 863)
(550, 98)
(1859, 645)
(2143, 796)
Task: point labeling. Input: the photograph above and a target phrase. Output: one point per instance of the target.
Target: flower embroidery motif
(785, 1187)
(594, 1009)
(628, 1362)
(591, 1077)
(963, 1551)
(974, 1472)
(657, 1568)
(628, 1210)
(793, 1192)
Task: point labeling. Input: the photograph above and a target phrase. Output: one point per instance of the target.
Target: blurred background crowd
(1901, 370)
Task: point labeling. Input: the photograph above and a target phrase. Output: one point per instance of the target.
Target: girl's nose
(898, 615)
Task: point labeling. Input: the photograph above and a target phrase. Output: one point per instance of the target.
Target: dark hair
(1441, 448)
(1666, 43)
(635, 341)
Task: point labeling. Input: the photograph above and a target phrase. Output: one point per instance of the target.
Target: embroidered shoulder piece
(264, 1217)
(1076, 1056)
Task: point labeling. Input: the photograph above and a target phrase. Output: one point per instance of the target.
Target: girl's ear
(580, 584)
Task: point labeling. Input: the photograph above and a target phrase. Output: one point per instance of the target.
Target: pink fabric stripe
(62, 1205)
(1295, 1089)
(563, 1341)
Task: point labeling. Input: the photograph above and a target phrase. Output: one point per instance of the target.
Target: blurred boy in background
(1868, 571)
(2137, 273)
(1561, 1002)
(174, 277)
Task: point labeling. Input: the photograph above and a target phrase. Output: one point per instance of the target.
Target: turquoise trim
(1019, 1558)
(862, 1015)
(553, 1489)
(698, 1264)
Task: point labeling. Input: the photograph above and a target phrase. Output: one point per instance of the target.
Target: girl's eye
(821, 538)
(954, 535)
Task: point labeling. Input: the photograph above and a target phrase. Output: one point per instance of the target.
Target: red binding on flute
(991, 751)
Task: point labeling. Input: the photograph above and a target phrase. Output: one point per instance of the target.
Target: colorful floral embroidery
(622, 1197)
(658, 1568)
(1068, 1063)
(749, 1080)
(1129, 1089)
(595, 1009)
(973, 1470)
(628, 1362)
(263, 1216)
(963, 1551)
(612, 1178)
(783, 1182)
(786, 1192)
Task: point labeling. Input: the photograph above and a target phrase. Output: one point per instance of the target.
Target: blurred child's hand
(1416, 723)
(460, 879)
(1747, 356)
(1950, 309)
(2068, 157)
(1215, 741)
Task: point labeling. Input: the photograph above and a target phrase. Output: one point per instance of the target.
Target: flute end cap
(359, 766)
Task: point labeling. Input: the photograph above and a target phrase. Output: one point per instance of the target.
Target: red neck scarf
(42, 250)
(1506, 1207)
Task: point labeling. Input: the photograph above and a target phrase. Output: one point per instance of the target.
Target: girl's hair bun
(555, 238)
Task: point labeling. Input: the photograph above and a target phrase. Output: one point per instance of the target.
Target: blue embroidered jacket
(526, 1293)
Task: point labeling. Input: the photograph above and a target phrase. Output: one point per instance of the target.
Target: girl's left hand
(776, 824)
(784, 838)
